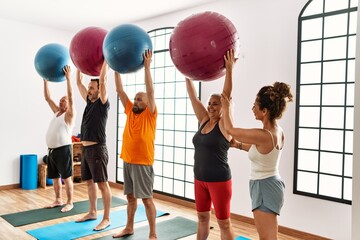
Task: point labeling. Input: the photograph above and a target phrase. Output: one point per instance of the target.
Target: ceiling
(73, 15)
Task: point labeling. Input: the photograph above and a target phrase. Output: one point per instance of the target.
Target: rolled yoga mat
(28, 171)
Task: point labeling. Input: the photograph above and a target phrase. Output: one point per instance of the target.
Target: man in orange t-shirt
(138, 150)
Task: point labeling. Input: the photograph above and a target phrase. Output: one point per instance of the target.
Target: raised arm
(148, 81)
(70, 113)
(199, 109)
(229, 63)
(80, 85)
(120, 89)
(102, 83)
(52, 104)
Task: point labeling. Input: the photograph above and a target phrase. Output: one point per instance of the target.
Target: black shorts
(94, 163)
(59, 162)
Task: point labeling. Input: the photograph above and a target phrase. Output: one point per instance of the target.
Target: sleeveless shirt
(211, 155)
(264, 165)
(94, 120)
(58, 133)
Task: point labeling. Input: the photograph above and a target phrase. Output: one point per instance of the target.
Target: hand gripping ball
(198, 45)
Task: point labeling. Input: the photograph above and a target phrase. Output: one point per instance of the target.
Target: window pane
(335, 25)
(348, 165)
(169, 151)
(333, 5)
(159, 152)
(311, 29)
(311, 95)
(169, 122)
(180, 139)
(158, 168)
(158, 183)
(353, 23)
(179, 188)
(332, 117)
(311, 51)
(180, 122)
(350, 94)
(349, 118)
(180, 105)
(349, 141)
(333, 94)
(352, 47)
(347, 189)
(159, 61)
(335, 48)
(310, 73)
(179, 155)
(189, 190)
(308, 160)
(330, 186)
(331, 163)
(168, 185)
(351, 71)
(307, 182)
(316, 7)
(334, 71)
(332, 140)
(308, 138)
(168, 169)
(179, 172)
(309, 117)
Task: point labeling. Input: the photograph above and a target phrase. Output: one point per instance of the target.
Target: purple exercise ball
(86, 50)
(198, 45)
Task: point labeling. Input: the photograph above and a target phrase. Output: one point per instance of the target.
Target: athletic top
(58, 133)
(94, 120)
(264, 165)
(211, 160)
(138, 145)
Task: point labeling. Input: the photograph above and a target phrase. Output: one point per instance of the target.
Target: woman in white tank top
(264, 146)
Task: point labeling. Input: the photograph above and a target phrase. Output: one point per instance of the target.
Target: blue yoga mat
(72, 230)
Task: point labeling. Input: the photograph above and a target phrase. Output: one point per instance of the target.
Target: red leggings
(217, 193)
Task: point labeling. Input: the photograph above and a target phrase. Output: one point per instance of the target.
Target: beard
(137, 110)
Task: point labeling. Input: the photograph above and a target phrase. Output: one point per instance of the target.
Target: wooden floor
(17, 200)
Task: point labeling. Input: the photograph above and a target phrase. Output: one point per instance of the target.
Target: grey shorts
(138, 180)
(267, 194)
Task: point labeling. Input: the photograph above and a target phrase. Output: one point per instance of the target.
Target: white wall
(268, 36)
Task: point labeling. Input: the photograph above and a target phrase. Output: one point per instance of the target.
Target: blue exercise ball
(124, 46)
(50, 61)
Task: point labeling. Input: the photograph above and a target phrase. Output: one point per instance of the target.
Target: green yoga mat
(44, 214)
(171, 229)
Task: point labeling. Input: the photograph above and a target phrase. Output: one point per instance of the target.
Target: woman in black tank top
(213, 184)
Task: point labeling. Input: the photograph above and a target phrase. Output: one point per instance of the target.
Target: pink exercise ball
(86, 50)
(198, 45)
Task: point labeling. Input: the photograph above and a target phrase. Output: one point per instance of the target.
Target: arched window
(176, 123)
(325, 100)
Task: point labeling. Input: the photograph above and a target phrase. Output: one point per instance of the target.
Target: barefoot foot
(87, 217)
(124, 233)
(67, 207)
(102, 225)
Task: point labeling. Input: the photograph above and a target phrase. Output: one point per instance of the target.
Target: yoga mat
(72, 229)
(242, 238)
(44, 214)
(171, 229)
